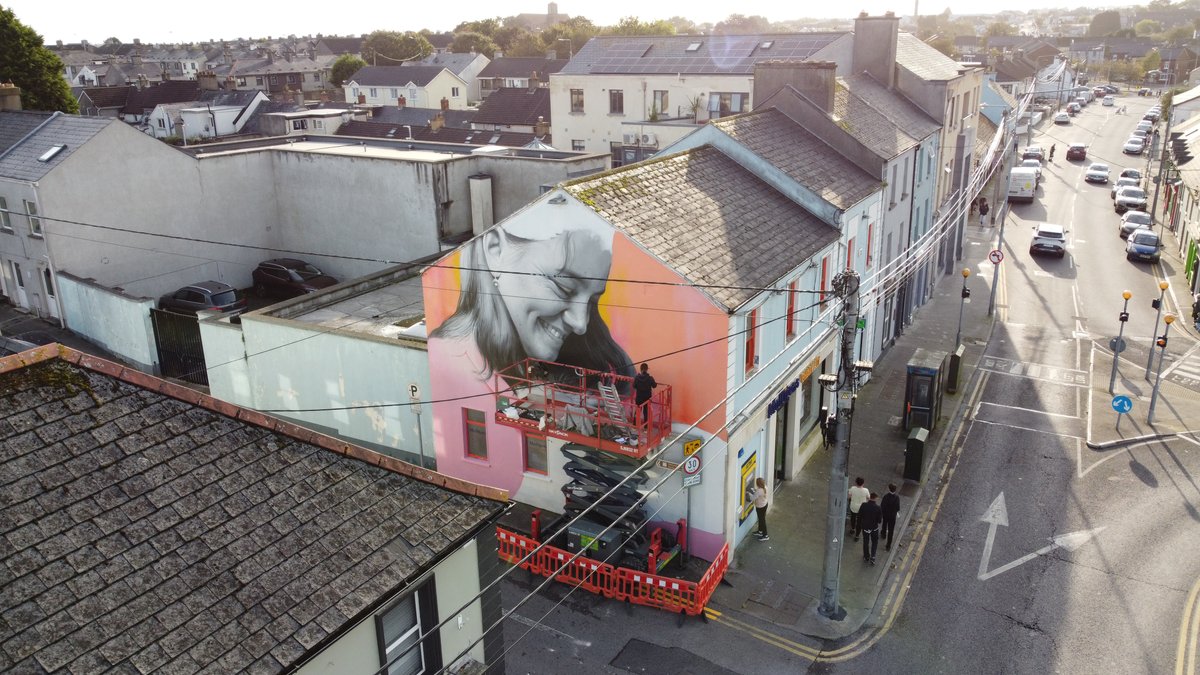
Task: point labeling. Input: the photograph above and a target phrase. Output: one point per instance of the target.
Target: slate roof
(20, 161)
(148, 527)
(924, 61)
(899, 110)
(455, 63)
(512, 139)
(109, 97)
(265, 66)
(395, 76)
(1014, 70)
(172, 91)
(340, 45)
(421, 116)
(522, 66)
(16, 124)
(805, 158)
(252, 122)
(515, 105)
(669, 54)
(709, 219)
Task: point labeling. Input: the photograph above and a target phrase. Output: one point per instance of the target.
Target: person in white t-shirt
(858, 494)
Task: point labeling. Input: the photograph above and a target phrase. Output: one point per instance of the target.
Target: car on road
(1131, 173)
(1124, 181)
(1139, 133)
(288, 278)
(1130, 197)
(1073, 107)
(1076, 151)
(209, 295)
(1133, 220)
(1108, 100)
(1144, 91)
(1096, 173)
(1062, 118)
(1145, 125)
(1133, 146)
(1033, 152)
(1151, 115)
(1048, 238)
(1143, 245)
(1111, 88)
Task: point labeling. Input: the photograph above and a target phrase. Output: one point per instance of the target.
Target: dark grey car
(205, 295)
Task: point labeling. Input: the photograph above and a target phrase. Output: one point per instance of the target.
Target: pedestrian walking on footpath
(823, 420)
(831, 425)
(858, 495)
(983, 211)
(758, 494)
(890, 507)
(869, 516)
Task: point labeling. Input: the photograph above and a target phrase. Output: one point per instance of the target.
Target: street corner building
(147, 527)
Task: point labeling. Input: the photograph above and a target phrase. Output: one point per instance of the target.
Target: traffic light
(966, 292)
(1124, 316)
(1161, 341)
(1155, 303)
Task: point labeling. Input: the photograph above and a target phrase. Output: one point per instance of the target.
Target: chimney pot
(445, 103)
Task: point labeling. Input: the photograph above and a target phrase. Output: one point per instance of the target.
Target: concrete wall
(17, 245)
(119, 323)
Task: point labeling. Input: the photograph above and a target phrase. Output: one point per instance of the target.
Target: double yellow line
(1189, 628)
(898, 588)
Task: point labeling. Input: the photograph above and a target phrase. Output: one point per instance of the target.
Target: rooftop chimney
(875, 47)
(437, 122)
(541, 128)
(400, 101)
(816, 80)
(534, 82)
(10, 96)
(445, 103)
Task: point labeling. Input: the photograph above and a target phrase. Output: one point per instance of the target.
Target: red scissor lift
(592, 409)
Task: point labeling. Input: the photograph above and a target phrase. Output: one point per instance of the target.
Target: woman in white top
(758, 493)
(858, 494)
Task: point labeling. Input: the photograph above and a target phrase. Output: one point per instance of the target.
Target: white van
(1022, 184)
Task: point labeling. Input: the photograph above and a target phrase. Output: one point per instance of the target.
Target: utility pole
(1002, 206)
(842, 385)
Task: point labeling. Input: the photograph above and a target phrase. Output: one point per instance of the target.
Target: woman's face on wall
(547, 309)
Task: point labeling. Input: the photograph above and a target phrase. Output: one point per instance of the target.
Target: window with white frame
(395, 92)
(372, 92)
(5, 217)
(406, 632)
(35, 223)
(616, 102)
(454, 92)
(577, 145)
(750, 338)
(725, 103)
(576, 100)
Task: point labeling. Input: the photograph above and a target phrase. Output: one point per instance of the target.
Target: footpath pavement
(18, 324)
(779, 582)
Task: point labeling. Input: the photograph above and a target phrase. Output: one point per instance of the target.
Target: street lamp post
(1158, 305)
(1162, 344)
(966, 293)
(1124, 316)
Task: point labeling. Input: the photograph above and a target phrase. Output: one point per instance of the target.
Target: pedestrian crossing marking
(1036, 371)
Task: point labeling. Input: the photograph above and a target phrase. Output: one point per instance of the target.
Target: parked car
(1073, 108)
(1124, 181)
(1034, 164)
(1144, 91)
(1139, 133)
(1145, 125)
(1131, 173)
(1143, 245)
(1033, 152)
(288, 278)
(1111, 88)
(1048, 238)
(1133, 146)
(211, 295)
(1131, 221)
(1151, 115)
(1062, 118)
(1130, 197)
(1076, 151)
(1108, 100)
(1096, 173)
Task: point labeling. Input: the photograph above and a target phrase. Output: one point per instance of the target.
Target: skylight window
(693, 47)
(767, 44)
(49, 154)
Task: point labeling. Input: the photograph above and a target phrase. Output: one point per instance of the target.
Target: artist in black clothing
(643, 386)
(890, 506)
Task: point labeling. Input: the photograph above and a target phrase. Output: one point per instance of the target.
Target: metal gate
(180, 351)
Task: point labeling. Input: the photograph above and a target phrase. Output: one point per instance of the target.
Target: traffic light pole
(1124, 317)
(1162, 344)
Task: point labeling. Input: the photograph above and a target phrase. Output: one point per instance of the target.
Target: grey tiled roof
(868, 125)
(899, 110)
(522, 66)
(20, 161)
(145, 532)
(515, 105)
(455, 63)
(924, 61)
(805, 158)
(709, 219)
(714, 54)
(390, 114)
(15, 124)
(447, 134)
(395, 76)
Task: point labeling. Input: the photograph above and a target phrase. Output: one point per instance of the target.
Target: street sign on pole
(996, 256)
(1122, 404)
(691, 471)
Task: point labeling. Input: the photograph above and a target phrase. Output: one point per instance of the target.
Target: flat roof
(387, 311)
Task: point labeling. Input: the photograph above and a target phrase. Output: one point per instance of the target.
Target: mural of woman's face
(546, 309)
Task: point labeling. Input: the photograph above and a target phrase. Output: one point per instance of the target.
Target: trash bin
(914, 453)
(956, 358)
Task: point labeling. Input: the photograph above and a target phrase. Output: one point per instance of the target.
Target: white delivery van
(1022, 184)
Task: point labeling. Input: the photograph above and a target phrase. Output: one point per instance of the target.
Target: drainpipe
(37, 199)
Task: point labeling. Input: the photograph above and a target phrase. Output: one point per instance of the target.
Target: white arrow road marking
(997, 515)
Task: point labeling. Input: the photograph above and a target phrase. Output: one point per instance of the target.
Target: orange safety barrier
(617, 583)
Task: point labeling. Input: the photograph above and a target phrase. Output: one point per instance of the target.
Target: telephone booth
(923, 389)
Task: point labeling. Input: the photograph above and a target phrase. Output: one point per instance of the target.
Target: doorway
(21, 299)
(783, 418)
(51, 296)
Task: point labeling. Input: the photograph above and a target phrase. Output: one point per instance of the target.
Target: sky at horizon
(75, 20)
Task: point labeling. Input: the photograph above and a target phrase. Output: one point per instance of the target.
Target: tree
(1104, 23)
(944, 44)
(1147, 27)
(486, 27)
(1179, 35)
(998, 28)
(631, 25)
(344, 68)
(576, 32)
(1150, 62)
(389, 48)
(527, 44)
(25, 61)
(683, 25)
(468, 42)
(738, 24)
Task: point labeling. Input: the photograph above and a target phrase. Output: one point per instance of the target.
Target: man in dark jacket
(643, 390)
(869, 516)
(889, 506)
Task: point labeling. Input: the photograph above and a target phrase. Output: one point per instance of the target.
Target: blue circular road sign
(1122, 404)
